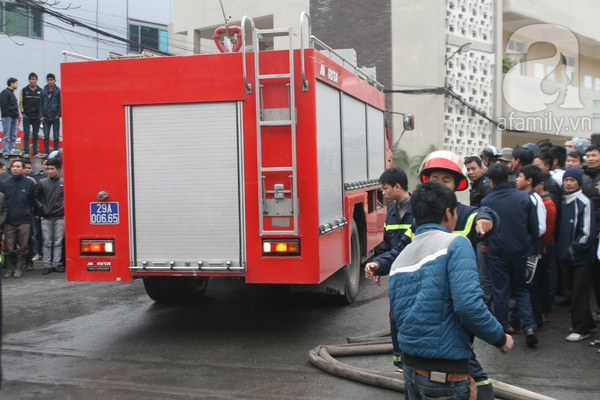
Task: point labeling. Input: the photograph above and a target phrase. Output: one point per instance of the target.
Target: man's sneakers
(530, 338)
(59, 268)
(37, 257)
(46, 271)
(577, 337)
(7, 273)
(18, 272)
(531, 268)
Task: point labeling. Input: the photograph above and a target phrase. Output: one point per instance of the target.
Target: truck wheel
(351, 271)
(157, 289)
(191, 289)
(175, 289)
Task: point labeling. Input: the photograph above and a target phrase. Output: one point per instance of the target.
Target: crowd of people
(531, 233)
(38, 107)
(31, 205)
(32, 215)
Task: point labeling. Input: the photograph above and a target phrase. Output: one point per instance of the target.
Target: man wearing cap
(576, 251)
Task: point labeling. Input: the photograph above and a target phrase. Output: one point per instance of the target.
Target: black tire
(191, 289)
(175, 289)
(156, 290)
(351, 271)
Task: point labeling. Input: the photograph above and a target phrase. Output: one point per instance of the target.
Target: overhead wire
(36, 5)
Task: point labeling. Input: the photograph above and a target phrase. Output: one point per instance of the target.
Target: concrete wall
(418, 35)
(541, 94)
(579, 16)
(196, 20)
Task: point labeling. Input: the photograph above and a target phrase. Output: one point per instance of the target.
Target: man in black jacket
(18, 191)
(50, 112)
(9, 107)
(49, 202)
(30, 108)
(591, 184)
(480, 184)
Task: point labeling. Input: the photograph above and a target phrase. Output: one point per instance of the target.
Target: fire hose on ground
(378, 343)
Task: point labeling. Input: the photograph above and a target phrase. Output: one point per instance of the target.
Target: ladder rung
(276, 169)
(286, 122)
(288, 232)
(275, 76)
(273, 32)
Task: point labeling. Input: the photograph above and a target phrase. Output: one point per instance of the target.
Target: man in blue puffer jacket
(437, 302)
(472, 222)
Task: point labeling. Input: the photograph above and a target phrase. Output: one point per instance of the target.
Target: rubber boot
(18, 272)
(20, 266)
(485, 392)
(8, 267)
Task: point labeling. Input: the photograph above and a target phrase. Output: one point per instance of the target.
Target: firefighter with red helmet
(447, 167)
(473, 222)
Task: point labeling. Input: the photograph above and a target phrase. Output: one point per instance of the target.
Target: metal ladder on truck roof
(281, 202)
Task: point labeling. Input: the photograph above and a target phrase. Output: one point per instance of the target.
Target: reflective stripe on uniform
(468, 226)
(395, 227)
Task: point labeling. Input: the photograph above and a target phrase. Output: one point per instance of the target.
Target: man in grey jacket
(49, 201)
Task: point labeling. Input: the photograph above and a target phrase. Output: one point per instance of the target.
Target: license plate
(104, 213)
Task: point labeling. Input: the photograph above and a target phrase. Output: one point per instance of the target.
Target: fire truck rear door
(186, 191)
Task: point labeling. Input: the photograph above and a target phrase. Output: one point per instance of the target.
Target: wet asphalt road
(65, 340)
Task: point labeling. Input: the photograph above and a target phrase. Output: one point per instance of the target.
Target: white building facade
(33, 40)
(462, 101)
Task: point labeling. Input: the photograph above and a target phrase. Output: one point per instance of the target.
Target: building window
(149, 37)
(587, 82)
(18, 20)
(517, 54)
(516, 46)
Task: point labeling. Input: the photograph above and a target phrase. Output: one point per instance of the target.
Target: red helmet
(446, 161)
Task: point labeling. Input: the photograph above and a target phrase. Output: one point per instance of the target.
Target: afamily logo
(547, 122)
(526, 93)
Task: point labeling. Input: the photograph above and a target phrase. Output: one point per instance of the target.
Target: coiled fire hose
(377, 343)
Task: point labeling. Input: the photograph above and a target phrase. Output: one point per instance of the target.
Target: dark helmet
(489, 152)
(505, 154)
(15, 153)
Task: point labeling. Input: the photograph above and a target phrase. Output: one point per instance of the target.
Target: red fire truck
(261, 165)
